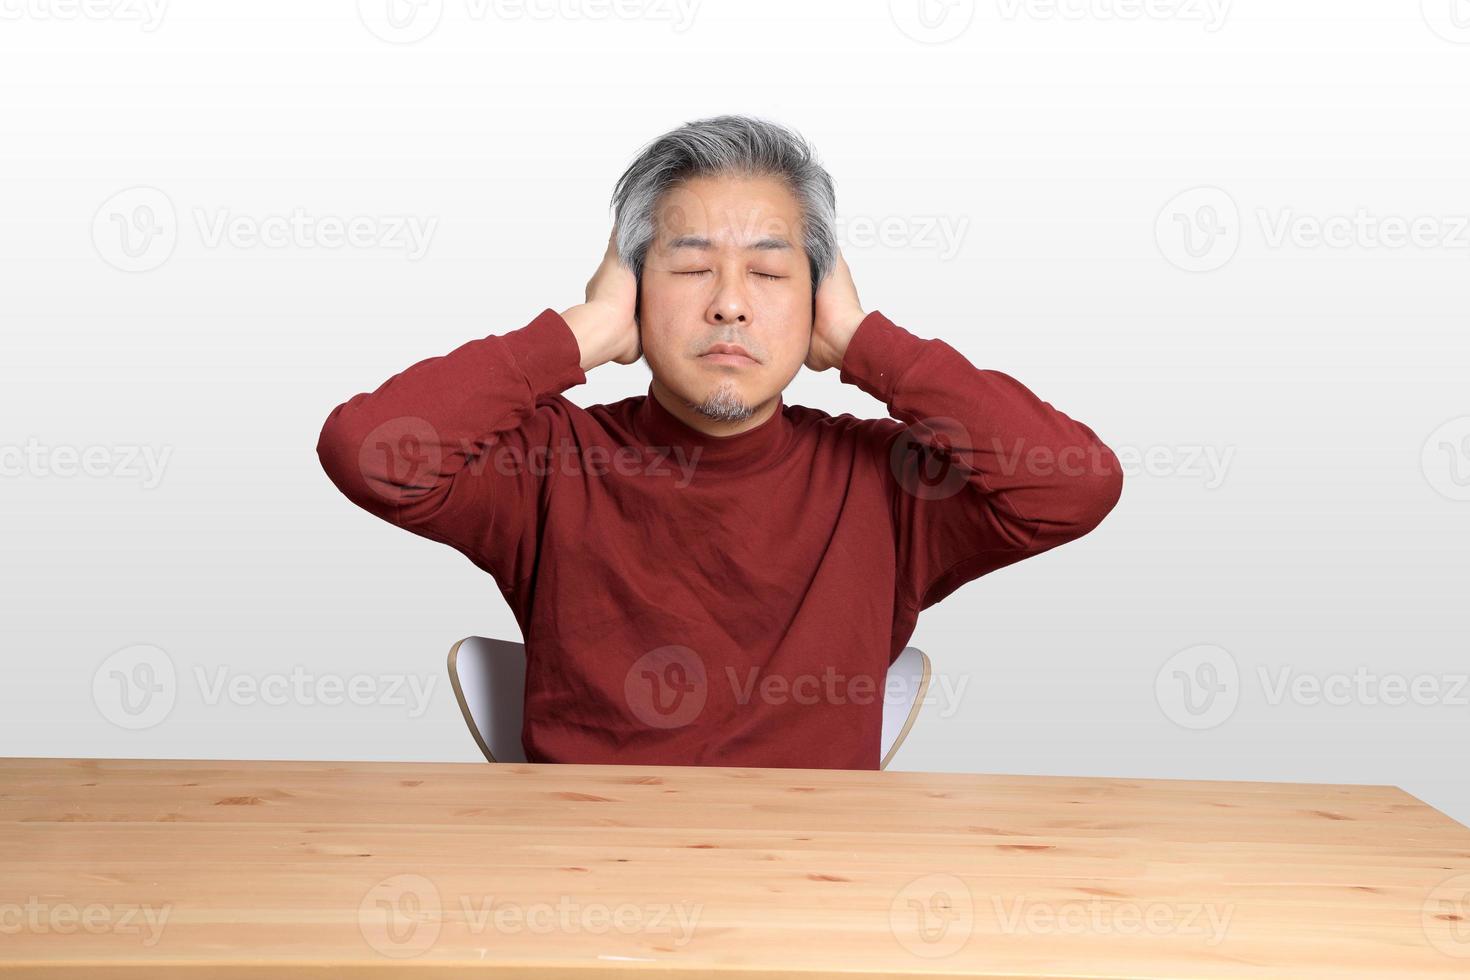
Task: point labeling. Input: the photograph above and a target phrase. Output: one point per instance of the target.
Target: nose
(728, 305)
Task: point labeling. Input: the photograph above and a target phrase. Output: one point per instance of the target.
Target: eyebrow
(771, 243)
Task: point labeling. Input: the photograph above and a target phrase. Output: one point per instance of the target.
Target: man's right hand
(606, 325)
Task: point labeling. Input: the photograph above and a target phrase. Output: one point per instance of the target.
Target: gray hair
(720, 146)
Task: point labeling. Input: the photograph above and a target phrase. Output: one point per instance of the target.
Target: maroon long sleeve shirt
(687, 599)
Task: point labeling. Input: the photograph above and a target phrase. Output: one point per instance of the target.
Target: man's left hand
(837, 316)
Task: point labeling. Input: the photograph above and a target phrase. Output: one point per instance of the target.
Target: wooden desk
(138, 869)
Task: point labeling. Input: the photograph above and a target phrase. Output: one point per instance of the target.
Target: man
(706, 575)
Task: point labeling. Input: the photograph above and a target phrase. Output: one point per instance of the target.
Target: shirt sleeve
(982, 473)
(448, 448)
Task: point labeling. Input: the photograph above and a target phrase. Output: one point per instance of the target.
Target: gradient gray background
(1330, 379)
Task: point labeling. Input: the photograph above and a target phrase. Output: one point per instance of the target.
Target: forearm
(1041, 476)
(394, 450)
(598, 328)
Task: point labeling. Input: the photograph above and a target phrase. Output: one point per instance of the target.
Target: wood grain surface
(132, 869)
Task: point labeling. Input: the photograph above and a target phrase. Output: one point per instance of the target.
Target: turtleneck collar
(743, 452)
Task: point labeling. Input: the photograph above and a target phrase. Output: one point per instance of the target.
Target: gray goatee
(724, 404)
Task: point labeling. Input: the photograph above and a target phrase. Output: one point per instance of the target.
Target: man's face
(726, 267)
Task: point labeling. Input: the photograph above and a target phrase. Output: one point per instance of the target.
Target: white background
(1026, 161)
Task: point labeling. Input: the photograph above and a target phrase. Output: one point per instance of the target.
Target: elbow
(339, 451)
(1094, 490)
(390, 468)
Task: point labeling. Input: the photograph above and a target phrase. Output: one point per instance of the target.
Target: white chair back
(489, 679)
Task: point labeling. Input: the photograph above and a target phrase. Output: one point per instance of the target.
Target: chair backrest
(908, 680)
(489, 679)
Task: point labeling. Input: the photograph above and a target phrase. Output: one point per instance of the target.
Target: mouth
(732, 355)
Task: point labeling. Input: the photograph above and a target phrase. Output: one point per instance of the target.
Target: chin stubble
(724, 404)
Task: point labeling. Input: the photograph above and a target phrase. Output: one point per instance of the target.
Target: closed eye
(700, 272)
